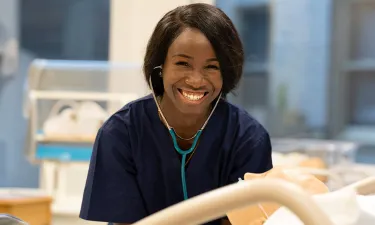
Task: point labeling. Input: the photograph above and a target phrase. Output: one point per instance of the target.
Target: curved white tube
(217, 203)
(363, 187)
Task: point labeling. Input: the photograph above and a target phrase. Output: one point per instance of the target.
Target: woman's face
(191, 73)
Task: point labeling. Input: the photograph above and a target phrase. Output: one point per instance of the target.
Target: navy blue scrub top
(135, 170)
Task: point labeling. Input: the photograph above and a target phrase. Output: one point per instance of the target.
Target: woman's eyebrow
(190, 57)
(183, 55)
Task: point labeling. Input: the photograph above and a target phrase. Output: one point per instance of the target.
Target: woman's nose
(195, 79)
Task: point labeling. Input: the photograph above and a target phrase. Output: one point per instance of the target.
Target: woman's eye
(181, 63)
(213, 67)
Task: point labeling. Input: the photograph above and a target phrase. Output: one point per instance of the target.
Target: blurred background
(309, 77)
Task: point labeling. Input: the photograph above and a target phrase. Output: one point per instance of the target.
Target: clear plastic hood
(67, 101)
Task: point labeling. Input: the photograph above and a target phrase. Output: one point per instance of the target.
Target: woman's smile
(192, 97)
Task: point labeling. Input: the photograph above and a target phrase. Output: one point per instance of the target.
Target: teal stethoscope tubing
(182, 152)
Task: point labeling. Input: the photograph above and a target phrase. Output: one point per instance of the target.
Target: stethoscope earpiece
(159, 67)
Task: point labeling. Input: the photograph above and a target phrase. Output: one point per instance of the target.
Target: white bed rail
(215, 204)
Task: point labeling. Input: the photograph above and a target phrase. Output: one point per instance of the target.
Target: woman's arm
(111, 193)
(253, 153)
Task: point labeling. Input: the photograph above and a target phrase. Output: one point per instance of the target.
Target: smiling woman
(191, 73)
(185, 139)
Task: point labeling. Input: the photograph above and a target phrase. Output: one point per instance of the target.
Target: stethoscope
(174, 136)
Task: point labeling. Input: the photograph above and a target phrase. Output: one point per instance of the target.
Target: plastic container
(331, 152)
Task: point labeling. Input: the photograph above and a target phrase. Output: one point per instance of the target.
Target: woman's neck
(185, 125)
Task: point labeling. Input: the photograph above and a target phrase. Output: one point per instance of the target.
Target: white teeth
(192, 96)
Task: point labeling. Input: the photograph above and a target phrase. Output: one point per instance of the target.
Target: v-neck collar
(167, 143)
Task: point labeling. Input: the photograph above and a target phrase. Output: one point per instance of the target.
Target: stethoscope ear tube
(182, 152)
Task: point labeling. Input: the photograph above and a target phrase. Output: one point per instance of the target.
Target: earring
(160, 74)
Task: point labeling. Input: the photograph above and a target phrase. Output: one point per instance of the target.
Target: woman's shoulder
(130, 115)
(239, 116)
(240, 125)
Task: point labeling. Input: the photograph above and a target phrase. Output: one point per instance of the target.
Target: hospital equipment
(336, 159)
(67, 89)
(351, 205)
(215, 204)
(65, 103)
(173, 134)
(257, 214)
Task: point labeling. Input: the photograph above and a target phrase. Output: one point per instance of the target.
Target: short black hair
(214, 24)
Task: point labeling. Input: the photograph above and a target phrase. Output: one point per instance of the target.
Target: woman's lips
(194, 96)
